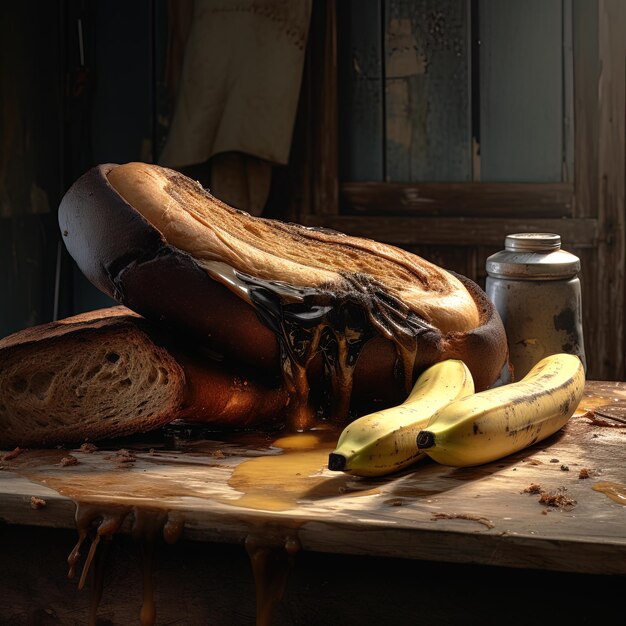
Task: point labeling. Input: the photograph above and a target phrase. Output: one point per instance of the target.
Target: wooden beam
(586, 76)
(325, 161)
(457, 231)
(360, 88)
(611, 186)
(586, 68)
(541, 200)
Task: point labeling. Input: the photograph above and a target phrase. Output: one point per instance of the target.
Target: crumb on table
(551, 498)
(122, 457)
(532, 488)
(556, 499)
(13, 454)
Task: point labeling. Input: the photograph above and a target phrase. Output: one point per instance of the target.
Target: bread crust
(125, 256)
(199, 388)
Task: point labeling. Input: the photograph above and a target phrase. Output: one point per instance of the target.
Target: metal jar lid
(533, 256)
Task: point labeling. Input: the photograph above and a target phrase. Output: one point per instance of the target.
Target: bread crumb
(551, 498)
(218, 454)
(88, 447)
(13, 454)
(584, 473)
(564, 468)
(554, 460)
(532, 488)
(122, 457)
(556, 499)
(37, 503)
(68, 460)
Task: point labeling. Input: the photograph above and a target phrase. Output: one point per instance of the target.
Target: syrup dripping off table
(558, 508)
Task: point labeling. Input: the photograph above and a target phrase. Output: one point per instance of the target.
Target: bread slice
(109, 373)
(91, 376)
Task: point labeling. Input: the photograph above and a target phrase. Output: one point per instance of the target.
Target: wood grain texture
(569, 120)
(547, 200)
(323, 94)
(361, 106)
(458, 231)
(611, 185)
(31, 101)
(586, 77)
(427, 109)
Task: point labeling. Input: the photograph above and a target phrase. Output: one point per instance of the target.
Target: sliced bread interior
(87, 377)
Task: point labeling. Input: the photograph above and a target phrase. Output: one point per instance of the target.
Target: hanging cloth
(238, 93)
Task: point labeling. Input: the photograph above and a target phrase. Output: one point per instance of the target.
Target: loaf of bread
(109, 373)
(340, 322)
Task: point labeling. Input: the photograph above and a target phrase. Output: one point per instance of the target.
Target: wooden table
(434, 543)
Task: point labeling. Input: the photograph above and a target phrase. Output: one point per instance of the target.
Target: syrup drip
(271, 562)
(334, 322)
(110, 523)
(147, 526)
(147, 616)
(292, 470)
(98, 581)
(615, 491)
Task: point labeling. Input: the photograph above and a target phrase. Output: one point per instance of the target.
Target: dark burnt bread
(127, 257)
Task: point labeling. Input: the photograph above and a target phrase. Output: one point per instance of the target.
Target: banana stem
(425, 439)
(336, 462)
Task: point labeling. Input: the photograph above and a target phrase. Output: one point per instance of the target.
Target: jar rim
(532, 242)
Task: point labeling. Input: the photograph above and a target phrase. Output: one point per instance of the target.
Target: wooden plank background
(547, 99)
(360, 65)
(521, 90)
(427, 95)
(406, 90)
(31, 164)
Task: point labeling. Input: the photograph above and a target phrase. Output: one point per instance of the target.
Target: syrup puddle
(280, 482)
(614, 491)
(141, 497)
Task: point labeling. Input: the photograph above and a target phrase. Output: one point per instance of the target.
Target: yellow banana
(384, 442)
(494, 423)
